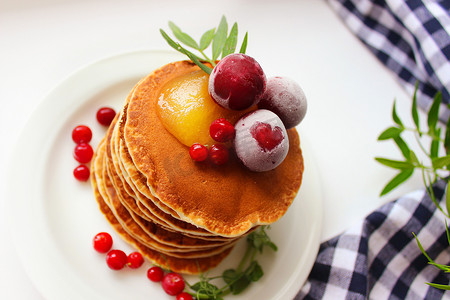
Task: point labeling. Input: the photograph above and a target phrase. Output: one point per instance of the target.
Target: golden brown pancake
(183, 215)
(226, 200)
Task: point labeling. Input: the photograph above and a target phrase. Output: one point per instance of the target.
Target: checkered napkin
(380, 259)
(410, 37)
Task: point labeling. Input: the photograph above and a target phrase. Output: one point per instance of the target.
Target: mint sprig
(238, 279)
(223, 43)
(436, 167)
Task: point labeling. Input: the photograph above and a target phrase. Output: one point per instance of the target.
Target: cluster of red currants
(221, 131)
(172, 283)
(116, 259)
(82, 135)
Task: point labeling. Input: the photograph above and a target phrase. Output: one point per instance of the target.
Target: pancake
(225, 200)
(180, 265)
(182, 215)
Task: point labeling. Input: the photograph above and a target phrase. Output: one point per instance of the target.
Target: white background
(350, 93)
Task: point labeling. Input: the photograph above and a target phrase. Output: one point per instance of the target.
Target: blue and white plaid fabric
(379, 258)
(410, 37)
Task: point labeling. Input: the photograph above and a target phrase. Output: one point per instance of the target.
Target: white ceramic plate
(54, 217)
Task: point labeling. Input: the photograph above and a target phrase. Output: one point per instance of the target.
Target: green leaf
(447, 137)
(254, 271)
(446, 229)
(206, 288)
(403, 147)
(413, 158)
(183, 37)
(191, 56)
(414, 112)
(244, 44)
(439, 286)
(433, 113)
(206, 39)
(441, 162)
(434, 147)
(259, 238)
(396, 164)
(237, 280)
(395, 116)
(220, 38)
(447, 202)
(231, 42)
(196, 60)
(397, 180)
(391, 132)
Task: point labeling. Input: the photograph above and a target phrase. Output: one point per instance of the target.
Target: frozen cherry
(237, 82)
(155, 274)
(261, 141)
(218, 154)
(135, 260)
(184, 296)
(285, 98)
(81, 173)
(116, 259)
(102, 242)
(81, 134)
(221, 130)
(105, 115)
(83, 153)
(198, 152)
(173, 283)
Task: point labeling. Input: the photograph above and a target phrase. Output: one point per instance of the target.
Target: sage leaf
(403, 147)
(244, 44)
(220, 38)
(176, 45)
(395, 164)
(441, 162)
(414, 112)
(395, 116)
(206, 39)
(183, 37)
(196, 60)
(397, 180)
(231, 42)
(390, 133)
(433, 113)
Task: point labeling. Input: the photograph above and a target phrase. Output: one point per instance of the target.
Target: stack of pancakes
(183, 215)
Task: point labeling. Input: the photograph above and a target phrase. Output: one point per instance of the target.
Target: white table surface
(350, 93)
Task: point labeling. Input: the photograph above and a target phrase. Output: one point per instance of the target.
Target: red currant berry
(81, 173)
(155, 274)
(116, 259)
(81, 134)
(135, 260)
(221, 130)
(83, 153)
(105, 115)
(198, 152)
(102, 242)
(184, 296)
(173, 283)
(218, 154)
